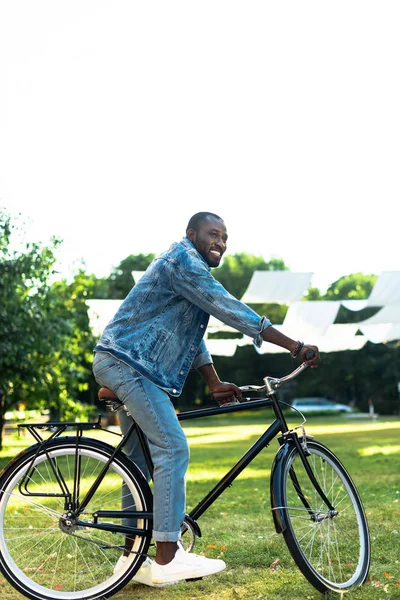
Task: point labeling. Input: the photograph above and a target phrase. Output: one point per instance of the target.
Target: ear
(191, 235)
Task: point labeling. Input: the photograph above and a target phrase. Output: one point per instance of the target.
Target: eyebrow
(225, 235)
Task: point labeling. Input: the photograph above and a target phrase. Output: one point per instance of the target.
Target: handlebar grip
(309, 354)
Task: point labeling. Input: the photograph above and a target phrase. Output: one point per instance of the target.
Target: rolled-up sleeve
(198, 286)
(203, 357)
(258, 339)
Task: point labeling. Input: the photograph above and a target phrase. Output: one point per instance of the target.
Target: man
(144, 355)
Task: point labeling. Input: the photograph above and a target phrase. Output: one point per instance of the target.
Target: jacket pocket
(154, 344)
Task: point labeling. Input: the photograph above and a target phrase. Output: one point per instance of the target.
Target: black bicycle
(69, 503)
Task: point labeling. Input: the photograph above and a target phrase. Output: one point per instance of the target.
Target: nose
(221, 245)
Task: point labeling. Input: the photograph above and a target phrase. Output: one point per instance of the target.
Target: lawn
(239, 527)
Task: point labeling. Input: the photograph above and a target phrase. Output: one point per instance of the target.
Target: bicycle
(63, 522)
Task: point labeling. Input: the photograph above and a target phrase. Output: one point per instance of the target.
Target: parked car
(317, 404)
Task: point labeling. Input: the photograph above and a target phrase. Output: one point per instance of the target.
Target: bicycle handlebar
(273, 383)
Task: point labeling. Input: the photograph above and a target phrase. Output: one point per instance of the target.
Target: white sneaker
(185, 566)
(144, 573)
(120, 563)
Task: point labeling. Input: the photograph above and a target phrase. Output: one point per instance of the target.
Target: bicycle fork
(287, 441)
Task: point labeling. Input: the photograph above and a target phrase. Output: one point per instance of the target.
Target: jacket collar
(186, 243)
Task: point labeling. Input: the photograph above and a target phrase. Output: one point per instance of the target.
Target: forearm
(222, 392)
(305, 352)
(210, 376)
(273, 336)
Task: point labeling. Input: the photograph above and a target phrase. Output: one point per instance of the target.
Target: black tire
(43, 558)
(333, 550)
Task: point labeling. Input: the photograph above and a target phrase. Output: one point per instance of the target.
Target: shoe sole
(195, 578)
(156, 585)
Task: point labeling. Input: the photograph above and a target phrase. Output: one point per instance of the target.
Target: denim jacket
(159, 327)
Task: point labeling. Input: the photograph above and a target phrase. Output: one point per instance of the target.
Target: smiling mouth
(215, 253)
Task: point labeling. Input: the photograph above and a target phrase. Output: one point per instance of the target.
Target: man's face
(210, 240)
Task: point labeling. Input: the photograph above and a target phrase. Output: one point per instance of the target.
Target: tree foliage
(351, 287)
(44, 329)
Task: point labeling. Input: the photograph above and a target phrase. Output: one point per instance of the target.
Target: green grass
(239, 527)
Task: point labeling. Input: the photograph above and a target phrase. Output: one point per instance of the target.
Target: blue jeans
(153, 411)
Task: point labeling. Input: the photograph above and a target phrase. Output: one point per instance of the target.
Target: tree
(351, 287)
(313, 294)
(40, 328)
(73, 361)
(356, 286)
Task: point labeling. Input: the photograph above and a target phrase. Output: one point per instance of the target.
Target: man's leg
(152, 409)
(134, 452)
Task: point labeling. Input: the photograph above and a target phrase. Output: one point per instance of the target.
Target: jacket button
(182, 372)
(201, 326)
(174, 391)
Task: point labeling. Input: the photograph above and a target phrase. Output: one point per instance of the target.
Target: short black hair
(198, 217)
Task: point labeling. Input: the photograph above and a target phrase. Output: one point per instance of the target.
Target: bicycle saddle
(105, 393)
(112, 401)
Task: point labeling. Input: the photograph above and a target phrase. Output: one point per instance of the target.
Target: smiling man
(144, 356)
(208, 234)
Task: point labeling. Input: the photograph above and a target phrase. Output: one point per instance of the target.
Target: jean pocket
(102, 362)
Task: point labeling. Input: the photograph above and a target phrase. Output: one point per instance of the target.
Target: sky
(120, 119)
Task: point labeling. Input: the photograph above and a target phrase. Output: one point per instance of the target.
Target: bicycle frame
(75, 507)
(226, 481)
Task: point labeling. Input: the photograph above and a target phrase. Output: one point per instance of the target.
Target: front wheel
(48, 555)
(331, 548)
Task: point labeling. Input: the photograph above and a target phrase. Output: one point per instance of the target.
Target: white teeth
(215, 252)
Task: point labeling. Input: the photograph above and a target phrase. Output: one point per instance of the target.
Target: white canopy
(281, 287)
(305, 320)
(386, 289)
(383, 332)
(384, 326)
(387, 314)
(221, 347)
(340, 337)
(137, 275)
(354, 305)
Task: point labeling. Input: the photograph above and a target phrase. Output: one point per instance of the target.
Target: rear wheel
(44, 552)
(331, 548)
